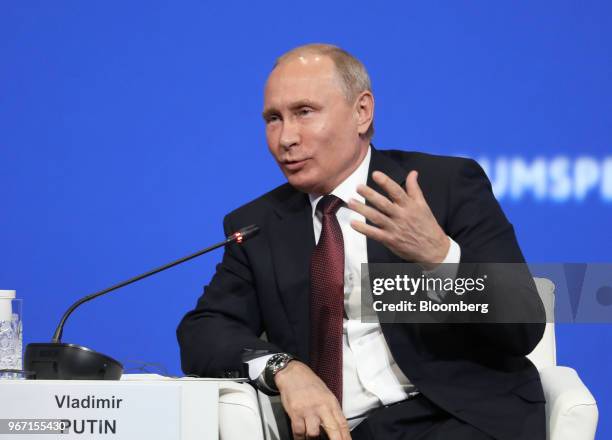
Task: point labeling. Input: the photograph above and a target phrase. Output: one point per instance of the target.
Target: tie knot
(329, 204)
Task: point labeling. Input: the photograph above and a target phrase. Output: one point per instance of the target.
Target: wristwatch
(276, 363)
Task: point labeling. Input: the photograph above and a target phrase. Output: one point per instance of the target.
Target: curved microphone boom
(57, 360)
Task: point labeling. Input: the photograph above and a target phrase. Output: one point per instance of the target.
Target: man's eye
(304, 111)
(272, 118)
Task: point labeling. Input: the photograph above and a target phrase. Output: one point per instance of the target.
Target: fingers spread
(412, 185)
(373, 215)
(377, 200)
(369, 231)
(395, 192)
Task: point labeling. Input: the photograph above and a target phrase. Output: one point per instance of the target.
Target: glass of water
(11, 334)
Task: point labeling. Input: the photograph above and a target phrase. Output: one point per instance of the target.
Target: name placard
(121, 410)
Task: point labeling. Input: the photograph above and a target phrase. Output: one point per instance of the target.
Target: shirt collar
(348, 188)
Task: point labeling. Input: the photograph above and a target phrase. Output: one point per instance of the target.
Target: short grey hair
(353, 75)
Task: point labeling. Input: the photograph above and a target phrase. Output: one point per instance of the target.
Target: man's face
(311, 129)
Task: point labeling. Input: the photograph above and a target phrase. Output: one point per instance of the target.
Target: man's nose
(290, 135)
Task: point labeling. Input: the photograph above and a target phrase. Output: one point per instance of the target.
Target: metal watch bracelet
(275, 364)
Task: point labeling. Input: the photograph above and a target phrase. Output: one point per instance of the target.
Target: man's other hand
(310, 404)
(403, 221)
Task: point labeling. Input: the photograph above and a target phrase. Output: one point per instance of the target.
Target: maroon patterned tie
(327, 298)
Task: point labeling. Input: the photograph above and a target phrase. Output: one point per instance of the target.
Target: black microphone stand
(58, 360)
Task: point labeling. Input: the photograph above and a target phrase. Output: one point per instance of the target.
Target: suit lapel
(292, 245)
(377, 252)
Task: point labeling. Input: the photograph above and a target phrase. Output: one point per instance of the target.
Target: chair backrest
(545, 353)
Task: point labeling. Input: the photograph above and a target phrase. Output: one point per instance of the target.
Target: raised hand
(402, 220)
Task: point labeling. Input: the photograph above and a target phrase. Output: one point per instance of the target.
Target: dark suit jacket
(477, 372)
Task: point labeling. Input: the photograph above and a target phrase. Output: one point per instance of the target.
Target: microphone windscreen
(249, 231)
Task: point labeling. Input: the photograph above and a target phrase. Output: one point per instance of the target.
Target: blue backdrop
(128, 129)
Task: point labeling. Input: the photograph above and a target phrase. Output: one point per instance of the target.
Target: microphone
(58, 360)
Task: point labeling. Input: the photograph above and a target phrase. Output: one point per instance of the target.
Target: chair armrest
(239, 414)
(571, 410)
(276, 422)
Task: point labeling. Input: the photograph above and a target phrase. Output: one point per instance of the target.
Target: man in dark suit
(347, 203)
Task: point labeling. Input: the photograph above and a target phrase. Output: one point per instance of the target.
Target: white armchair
(571, 410)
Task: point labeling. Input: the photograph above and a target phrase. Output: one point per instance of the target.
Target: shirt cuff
(453, 256)
(447, 269)
(454, 253)
(258, 365)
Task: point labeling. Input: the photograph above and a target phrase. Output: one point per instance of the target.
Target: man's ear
(364, 107)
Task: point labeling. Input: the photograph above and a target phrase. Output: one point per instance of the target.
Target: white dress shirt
(370, 375)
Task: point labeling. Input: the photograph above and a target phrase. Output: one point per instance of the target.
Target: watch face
(278, 362)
